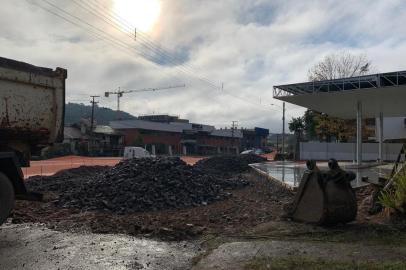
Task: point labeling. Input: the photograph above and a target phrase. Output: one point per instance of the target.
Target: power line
(157, 49)
(127, 47)
(111, 39)
(161, 52)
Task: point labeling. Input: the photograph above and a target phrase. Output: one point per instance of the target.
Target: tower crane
(120, 92)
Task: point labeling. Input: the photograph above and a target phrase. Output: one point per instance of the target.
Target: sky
(229, 53)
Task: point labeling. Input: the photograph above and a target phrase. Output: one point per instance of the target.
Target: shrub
(394, 198)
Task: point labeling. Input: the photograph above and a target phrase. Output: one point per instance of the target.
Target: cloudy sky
(245, 47)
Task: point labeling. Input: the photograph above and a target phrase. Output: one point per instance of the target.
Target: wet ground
(291, 173)
(29, 246)
(236, 255)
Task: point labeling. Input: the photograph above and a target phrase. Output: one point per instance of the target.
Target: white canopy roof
(385, 92)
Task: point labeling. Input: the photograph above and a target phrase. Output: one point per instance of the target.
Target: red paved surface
(51, 166)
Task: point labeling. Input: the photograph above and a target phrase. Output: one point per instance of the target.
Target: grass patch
(298, 263)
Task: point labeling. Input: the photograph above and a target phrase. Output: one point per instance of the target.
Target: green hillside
(74, 112)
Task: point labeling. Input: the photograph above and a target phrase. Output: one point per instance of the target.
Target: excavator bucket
(324, 197)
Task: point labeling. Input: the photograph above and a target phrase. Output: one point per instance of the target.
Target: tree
(296, 125)
(334, 66)
(340, 65)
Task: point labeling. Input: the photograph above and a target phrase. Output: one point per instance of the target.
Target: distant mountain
(74, 112)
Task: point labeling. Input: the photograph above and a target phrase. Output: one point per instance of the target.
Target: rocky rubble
(138, 185)
(64, 180)
(226, 165)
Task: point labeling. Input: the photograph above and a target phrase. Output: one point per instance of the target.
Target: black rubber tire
(6, 197)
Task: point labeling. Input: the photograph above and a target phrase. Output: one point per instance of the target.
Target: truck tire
(6, 197)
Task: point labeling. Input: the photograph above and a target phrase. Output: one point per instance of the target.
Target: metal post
(359, 133)
(283, 132)
(277, 143)
(380, 137)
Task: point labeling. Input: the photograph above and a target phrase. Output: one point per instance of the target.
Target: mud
(31, 246)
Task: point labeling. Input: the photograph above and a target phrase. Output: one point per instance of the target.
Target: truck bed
(32, 104)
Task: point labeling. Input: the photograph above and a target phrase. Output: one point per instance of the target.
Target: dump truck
(32, 107)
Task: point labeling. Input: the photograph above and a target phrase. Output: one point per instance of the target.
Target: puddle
(291, 173)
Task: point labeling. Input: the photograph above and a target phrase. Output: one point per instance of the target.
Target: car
(247, 152)
(135, 152)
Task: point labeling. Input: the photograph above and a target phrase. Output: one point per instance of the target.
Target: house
(103, 140)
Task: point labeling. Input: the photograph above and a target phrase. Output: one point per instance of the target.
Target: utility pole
(283, 132)
(233, 127)
(277, 143)
(92, 118)
(90, 145)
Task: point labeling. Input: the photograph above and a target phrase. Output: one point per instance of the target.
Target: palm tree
(296, 125)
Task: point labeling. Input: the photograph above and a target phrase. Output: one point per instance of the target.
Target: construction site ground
(53, 165)
(245, 231)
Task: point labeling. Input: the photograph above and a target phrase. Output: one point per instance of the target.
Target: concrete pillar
(380, 134)
(170, 150)
(359, 133)
(184, 150)
(153, 149)
(218, 150)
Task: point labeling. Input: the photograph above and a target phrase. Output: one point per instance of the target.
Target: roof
(105, 130)
(193, 126)
(146, 125)
(383, 92)
(72, 133)
(173, 127)
(226, 133)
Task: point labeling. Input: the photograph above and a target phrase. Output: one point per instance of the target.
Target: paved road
(29, 246)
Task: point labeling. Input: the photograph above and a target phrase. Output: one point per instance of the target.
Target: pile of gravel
(138, 185)
(226, 165)
(65, 180)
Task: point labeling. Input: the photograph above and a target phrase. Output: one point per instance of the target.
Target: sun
(140, 14)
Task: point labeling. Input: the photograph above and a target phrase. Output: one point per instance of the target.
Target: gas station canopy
(383, 93)
(379, 95)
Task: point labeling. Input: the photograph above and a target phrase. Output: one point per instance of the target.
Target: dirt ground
(246, 231)
(261, 201)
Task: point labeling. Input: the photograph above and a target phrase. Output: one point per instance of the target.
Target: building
(157, 137)
(107, 141)
(162, 118)
(103, 141)
(255, 138)
(179, 137)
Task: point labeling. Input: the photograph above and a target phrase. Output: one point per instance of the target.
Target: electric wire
(125, 46)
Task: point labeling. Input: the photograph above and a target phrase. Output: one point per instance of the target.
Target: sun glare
(141, 14)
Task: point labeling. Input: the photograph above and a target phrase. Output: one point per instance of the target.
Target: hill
(74, 112)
